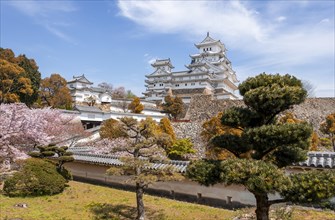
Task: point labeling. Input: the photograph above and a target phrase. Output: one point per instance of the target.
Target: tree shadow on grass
(104, 211)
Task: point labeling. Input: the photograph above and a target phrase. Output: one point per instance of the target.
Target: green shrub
(37, 177)
(65, 173)
(180, 149)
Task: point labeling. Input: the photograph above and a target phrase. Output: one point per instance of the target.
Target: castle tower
(209, 72)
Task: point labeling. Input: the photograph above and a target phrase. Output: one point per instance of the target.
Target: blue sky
(115, 41)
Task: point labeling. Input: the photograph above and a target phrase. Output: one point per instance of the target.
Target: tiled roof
(314, 160)
(98, 89)
(80, 149)
(102, 159)
(87, 108)
(319, 160)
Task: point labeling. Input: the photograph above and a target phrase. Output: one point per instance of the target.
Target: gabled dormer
(79, 82)
(209, 45)
(165, 65)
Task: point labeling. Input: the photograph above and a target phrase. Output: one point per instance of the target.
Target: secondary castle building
(210, 72)
(82, 91)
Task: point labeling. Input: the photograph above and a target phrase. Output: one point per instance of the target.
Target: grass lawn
(86, 201)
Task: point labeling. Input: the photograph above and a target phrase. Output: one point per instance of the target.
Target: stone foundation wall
(202, 108)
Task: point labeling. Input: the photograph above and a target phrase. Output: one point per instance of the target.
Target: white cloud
(194, 17)
(35, 8)
(46, 14)
(326, 20)
(281, 18)
(254, 31)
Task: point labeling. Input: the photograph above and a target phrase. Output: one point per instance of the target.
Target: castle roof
(81, 79)
(163, 62)
(83, 108)
(210, 41)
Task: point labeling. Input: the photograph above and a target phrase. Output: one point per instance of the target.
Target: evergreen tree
(264, 146)
(141, 143)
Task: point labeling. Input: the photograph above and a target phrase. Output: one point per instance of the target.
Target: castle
(210, 73)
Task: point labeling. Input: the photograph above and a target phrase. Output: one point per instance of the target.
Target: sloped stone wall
(203, 107)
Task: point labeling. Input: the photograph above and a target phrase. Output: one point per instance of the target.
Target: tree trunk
(262, 210)
(332, 138)
(139, 202)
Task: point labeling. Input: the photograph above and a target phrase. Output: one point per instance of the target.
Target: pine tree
(265, 146)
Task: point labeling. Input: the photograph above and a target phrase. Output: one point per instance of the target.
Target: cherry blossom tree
(23, 129)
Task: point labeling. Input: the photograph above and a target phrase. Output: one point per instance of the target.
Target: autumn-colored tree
(167, 128)
(265, 146)
(55, 93)
(12, 82)
(290, 118)
(111, 129)
(141, 145)
(29, 76)
(136, 106)
(212, 128)
(173, 106)
(328, 127)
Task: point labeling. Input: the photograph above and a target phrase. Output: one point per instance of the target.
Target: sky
(116, 41)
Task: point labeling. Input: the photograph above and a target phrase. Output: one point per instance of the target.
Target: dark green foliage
(62, 157)
(267, 145)
(269, 95)
(31, 72)
(205, 172)
(37, 177)
(274, 141)
(256, 175)
(237, 117)
(235, 144)
(65, 173)
(311, 187)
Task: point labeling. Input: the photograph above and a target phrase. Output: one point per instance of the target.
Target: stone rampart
(202, 108)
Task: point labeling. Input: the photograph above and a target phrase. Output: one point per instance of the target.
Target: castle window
(192, 84)
(177, 85)
(154, 85)
(185, 84)
(161, 84)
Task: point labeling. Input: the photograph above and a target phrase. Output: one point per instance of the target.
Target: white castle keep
(210, 73)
